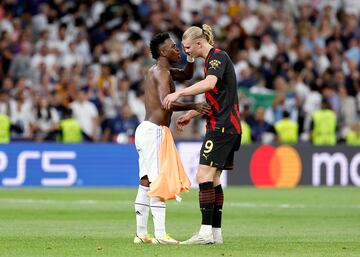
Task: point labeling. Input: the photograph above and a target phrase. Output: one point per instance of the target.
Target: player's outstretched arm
(183, 74)
(184, 119)
(201, 108)
(164, 80)
(200, 87)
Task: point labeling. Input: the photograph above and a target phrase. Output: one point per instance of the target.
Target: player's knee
(216, 181)
(144, 181)
(205, 174)
(217, 178)
(200, 178)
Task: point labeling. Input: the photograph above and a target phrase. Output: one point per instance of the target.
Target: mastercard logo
(275, 167)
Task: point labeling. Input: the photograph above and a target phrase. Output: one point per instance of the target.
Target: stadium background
(91, 56)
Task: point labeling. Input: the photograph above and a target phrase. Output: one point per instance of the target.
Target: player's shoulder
(161, 70)
(158, 72)
(218, 58)
(218, 51)
(220, 54)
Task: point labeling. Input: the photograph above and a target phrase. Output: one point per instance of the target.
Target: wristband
(190, 59)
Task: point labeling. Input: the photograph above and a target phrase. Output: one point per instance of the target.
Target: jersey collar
(209, 54)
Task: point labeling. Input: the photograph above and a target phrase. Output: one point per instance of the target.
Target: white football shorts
(148, 137)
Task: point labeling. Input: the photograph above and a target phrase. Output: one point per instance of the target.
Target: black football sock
(219, 202)
(207, 200)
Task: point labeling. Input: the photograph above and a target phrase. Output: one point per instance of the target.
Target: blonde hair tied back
(195, 32)
(207, 31)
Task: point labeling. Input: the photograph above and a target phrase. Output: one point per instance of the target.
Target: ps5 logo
(45, 157)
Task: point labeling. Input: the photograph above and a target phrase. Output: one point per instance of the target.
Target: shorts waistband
(149, 123)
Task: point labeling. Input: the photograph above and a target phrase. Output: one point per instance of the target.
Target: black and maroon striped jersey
(223, 98)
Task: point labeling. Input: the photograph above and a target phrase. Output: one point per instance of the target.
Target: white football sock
(158, 210)
(217, 233)
(142, 205)
(205, 230)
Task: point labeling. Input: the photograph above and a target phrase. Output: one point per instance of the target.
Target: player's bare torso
(155, 113)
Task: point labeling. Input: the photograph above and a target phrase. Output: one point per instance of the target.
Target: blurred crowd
(91, 57)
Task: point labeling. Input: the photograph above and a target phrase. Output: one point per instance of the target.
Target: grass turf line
(305, 221)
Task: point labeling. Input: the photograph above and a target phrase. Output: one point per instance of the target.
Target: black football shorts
(218, 149)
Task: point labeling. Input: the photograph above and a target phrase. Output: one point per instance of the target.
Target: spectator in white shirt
(71, 57)
(22, 115)
(86, 114)
(44, 56)
(61, 44)
(268, 47)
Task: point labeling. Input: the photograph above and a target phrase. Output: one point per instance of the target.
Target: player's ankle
(160, 234)
(205, 230)
(216, 231)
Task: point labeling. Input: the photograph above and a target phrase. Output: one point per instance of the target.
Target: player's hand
(203, 108)
(182, 121)
(169, 99)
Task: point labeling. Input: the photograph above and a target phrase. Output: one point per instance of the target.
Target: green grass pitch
(88, 222)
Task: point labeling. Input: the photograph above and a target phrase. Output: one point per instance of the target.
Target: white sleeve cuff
(190, 59)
